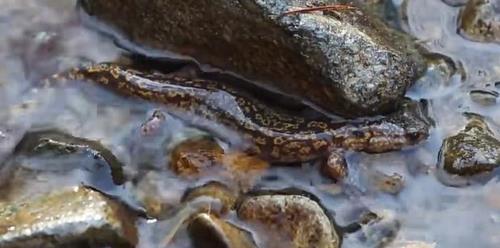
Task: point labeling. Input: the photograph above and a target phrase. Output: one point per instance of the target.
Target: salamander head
(408, 126)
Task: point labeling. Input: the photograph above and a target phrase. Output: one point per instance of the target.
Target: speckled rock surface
(78, 217)
(469, 156)
(345, 62)
(290, 220)
(480, 20)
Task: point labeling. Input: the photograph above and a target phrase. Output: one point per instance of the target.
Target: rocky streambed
(249, 123)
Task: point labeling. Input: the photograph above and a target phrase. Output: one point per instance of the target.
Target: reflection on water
(39, 37)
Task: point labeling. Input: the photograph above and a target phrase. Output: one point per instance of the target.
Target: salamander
(272, 134)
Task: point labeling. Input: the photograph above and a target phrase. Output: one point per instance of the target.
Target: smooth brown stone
(74, 217)
(289, 221)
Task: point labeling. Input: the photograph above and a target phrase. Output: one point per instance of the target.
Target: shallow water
(39, 37)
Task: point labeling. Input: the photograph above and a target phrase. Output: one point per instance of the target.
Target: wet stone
(153, 124)
(192, 156)
(391, 184)
(43, 48)
(469, 156)
(9, 137)
(289, 220)
(196, 157)
(158, 202)
(215, 190)
(441, 68)
(155, 208)
(156, 130)
(380, 229)
(455, 2)
(74, 217)
(480, 20)
(57, 143)
(413, 244)
(346, 61)
(335, 167)
(244, 169)
(207, 230)
(484, 97)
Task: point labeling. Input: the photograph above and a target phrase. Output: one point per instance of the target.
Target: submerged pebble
(207, 230)
(379, 230)
(480, 20)
(9, 137)
(56, 143)
(153, 124)
(215, 190)
(192, 156)
(484, 97)
(202, 156)
(391, 184)
(456, 2)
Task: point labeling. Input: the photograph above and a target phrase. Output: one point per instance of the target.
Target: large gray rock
(346, 62)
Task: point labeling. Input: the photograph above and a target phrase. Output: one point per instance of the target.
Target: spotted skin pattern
(273, 135)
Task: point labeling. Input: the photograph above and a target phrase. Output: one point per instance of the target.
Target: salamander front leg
(335, 167)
